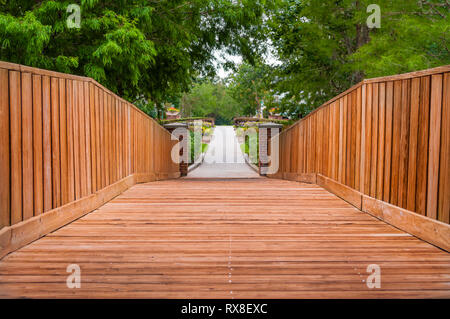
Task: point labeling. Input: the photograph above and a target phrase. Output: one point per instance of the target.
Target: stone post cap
(270, 125)
(171, 126)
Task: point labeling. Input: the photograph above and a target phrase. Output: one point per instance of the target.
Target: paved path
(224, 158)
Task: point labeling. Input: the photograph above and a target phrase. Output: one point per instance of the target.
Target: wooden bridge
(87, 179)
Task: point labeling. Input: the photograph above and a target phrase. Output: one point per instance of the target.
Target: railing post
(181, 130)
(266, 132)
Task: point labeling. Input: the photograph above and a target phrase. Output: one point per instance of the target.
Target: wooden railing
(66, 138)
(384, 141)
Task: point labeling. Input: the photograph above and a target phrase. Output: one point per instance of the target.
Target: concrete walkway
(224, 158)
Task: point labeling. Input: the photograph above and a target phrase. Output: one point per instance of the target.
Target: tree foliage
(140, 49)
(325, 47)
(209, 99)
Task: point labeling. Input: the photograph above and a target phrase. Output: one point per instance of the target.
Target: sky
(222, 74)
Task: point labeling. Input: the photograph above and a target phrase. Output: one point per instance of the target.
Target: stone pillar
(266, 131)
(181, 127)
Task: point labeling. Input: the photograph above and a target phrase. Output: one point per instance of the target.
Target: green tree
(140, 49)
(326, 46)
(209, 99)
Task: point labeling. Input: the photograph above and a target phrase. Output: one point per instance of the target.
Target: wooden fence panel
(64, 137)
(387, 138)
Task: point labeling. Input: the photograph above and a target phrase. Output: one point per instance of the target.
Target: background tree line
(155, 53)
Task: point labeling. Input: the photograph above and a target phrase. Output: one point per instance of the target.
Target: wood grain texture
(15, 146)
(5, 173)
(434, 145)
(260, 238)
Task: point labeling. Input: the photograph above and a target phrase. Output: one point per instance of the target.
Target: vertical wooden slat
(348, 135)
(56, 169)
(70, 141)
(16, 146)
(341, 141)
(374, 141)
(412, 157)
(87, 125)
(27, 146)
(444, 170)
(98, 136)
(381, 140)
(47, 143)
(434, 145)
(388, 141)
(422, 147)
(82, 139)
(353, 139)
(92, 105)
(5, 199)
(404, 144)
(368, 142)
(107, 146)
(102, 137)
(63, 142)
(76, 139)
(396, 132)
(358, 139)
(362, 165)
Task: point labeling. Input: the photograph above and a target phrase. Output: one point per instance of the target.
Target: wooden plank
(428, 229)
(93, 104)
(47, 143)
(374, 141)
(63, 141)
(422, 147)
(98, 136)
(412, 157)
(27, 147)
(381, 140)
(362, 163)
(353, 139)
(15, 146)
(76, 139)
(404, 144)
(336, 127)
(444, 170)
(5, 172)
(396, 133)
(368, 142)
(388, 141)
(82, 140)
(310, 245)
(87, 123)
(55, 131)
(107, 145)
(343, 191)
(358, 139)
(341, 159)
(434, 145)
(348, 134)
(70, 140)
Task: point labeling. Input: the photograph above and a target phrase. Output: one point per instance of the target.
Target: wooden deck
(255, 238)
